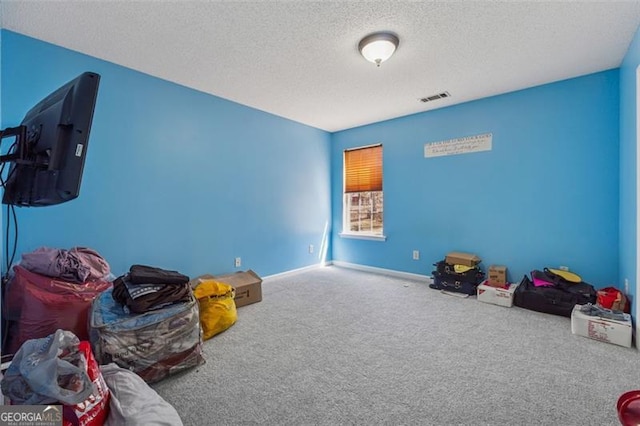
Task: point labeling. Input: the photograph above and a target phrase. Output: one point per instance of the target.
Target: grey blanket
(133, 402)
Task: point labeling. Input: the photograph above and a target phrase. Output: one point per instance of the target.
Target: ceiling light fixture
(378, 47)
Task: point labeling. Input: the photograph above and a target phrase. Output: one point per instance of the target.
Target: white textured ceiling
(299, 59)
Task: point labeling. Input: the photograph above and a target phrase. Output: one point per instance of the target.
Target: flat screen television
(51, 146)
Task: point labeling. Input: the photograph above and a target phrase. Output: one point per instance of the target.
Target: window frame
(366, 173)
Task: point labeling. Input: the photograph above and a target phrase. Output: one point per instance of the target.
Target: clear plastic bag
(154, 345)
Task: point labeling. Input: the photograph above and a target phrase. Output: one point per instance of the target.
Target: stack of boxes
(498, 276)
(496, 289)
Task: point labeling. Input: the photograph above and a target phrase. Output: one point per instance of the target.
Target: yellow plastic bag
(217, 307)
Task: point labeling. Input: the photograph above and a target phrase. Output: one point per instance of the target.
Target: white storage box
(602, 329)
(496, 295)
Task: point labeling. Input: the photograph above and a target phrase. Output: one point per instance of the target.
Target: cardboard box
(459, 258)
(247, 286)
(497, 276)
(495, 295)
(602, 329)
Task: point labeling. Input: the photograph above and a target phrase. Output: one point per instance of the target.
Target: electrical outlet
(310, 248)
(238, 262)
(563, 268)
(626, 286)
(416, 255)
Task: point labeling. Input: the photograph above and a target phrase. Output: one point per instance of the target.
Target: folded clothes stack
(146, 288)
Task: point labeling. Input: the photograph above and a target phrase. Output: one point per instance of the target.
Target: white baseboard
(391, 272)
(296, 271)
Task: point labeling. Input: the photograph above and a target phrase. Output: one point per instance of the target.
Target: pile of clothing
(76, 265)
(148, 323)
(146, 288)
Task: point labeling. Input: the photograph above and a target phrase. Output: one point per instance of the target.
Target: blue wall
(628, 166)
(185, 180)
(174, 177)
(545, 195)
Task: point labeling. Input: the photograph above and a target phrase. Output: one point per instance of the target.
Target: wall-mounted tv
(48, 156)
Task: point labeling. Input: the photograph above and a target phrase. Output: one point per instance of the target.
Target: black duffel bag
(556, 300)
(447, 272)
(446, 283)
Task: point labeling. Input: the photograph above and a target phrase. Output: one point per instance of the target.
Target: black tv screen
(50, 160)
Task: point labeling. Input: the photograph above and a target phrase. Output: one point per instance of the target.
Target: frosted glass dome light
(378, 47)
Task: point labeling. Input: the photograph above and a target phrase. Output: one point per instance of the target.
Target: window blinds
(363, 169)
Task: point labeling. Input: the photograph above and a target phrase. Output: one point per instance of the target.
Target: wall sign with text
(457, 146)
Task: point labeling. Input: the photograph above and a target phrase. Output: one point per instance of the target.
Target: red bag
(614, 299)
(36, 306)
(92, 411)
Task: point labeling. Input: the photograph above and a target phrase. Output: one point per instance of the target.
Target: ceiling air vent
(435, 97)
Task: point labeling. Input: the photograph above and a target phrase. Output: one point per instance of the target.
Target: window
(363, 201)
